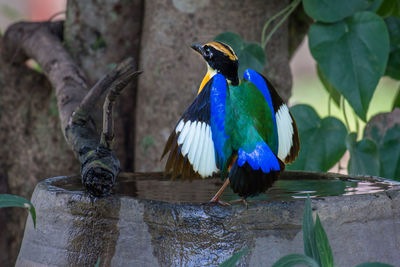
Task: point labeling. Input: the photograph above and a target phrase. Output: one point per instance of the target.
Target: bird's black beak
(199, 49)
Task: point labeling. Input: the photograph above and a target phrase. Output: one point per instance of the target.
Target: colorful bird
(238, 127)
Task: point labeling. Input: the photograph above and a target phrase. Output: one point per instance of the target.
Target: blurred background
(307, 88)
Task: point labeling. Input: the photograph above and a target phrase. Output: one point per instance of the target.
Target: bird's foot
(216, 200)
(243, 200)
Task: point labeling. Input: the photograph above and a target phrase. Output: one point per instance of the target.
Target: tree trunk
(32, 144)
(172, 72)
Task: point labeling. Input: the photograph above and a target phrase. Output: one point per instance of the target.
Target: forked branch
(43, 42)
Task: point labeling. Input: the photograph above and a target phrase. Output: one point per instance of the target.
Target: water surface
(154, 186)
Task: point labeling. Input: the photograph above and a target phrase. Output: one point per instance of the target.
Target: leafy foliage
(332, 11)
(295, 259)
(352, 54)
(316, 153)
(388, 146)
(332, 91)
(324, 249)
(251, 55)
(364, 157)
(7, 200)
(396, 102)
(389, 8)
(393, 66)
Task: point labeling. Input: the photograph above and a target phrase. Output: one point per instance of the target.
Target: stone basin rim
(54, 184)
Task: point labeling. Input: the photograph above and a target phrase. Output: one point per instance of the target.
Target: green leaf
(374, 6)
(352, 55)
(7, 200)
(310, 245)
(97, 262)
(295, 259)
(332, 11)
(364, 157)
(374, 264)
(332, 91)
(396, 102)
(393, 65)
(324, 249)
(322, 142)
(389, 8)
(235, 258)
(389, 151)
(251, 55)
(232, 39)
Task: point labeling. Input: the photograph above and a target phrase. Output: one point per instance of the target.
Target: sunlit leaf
(352, 54)
(295, 260)
(231, 262)
(7, 200)
(364, 157)
(324, 249)
(322, 142)
(331, 11)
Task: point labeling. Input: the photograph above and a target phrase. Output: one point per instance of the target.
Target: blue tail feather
(261, 157)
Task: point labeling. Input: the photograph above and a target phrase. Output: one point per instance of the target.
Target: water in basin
(154, 186)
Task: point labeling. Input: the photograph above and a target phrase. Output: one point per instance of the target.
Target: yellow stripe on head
(224, 48)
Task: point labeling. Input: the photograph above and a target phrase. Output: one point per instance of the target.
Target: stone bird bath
(152, 221)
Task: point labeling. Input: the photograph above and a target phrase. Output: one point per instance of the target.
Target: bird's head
(220, 58)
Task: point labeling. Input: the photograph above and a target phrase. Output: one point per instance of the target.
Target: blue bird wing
(285, 126)
(219, 109)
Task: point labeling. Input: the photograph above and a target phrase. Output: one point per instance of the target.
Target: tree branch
(42, 42)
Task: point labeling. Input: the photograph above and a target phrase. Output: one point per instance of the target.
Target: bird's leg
(243, 200)
(217, 195)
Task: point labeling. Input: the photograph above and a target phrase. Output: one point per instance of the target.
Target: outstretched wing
(288, 137)
(191, 146)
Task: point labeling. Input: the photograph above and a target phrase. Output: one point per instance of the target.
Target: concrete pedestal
(125, 229)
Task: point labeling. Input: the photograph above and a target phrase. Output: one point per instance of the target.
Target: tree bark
(32, 145)
(99, 34)
(172, 72)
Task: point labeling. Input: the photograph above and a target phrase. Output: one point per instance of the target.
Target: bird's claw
(243, 200)
(222, 203)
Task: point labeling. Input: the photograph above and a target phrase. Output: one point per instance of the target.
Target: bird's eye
(209, 54)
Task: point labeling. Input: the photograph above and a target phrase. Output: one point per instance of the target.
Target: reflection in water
(154, 186)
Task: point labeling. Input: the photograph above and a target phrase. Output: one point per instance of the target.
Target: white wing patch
(197, 144)
(284, 124)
